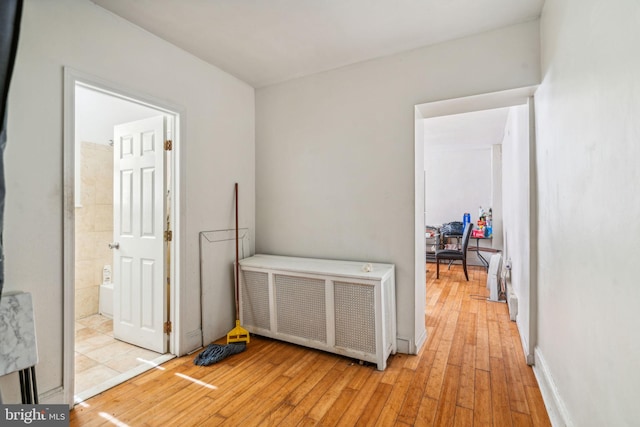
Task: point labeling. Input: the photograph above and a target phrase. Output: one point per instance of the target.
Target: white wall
(587, 111)
(515, 209)
(496, 196)
(218, 151)
(335, 153)
(458, 181)
(97, 113)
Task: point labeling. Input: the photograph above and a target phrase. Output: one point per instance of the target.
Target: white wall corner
(557, 410)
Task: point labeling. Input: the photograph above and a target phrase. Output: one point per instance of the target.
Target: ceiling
(263, 42)
(478, 129)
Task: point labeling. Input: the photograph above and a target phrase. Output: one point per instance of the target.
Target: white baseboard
(529, 357)
(191, 342)
(556, 408)
(403, 345)
(406, 345)
(54, 396)
(421, 340)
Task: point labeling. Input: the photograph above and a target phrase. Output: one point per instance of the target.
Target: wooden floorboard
(470, 372)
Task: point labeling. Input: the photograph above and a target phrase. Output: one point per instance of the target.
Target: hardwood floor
(470, 372)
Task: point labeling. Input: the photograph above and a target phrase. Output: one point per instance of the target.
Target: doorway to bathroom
(122, 226)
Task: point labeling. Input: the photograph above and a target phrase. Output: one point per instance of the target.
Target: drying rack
(217, 237)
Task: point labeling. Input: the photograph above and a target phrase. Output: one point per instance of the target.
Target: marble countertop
(18, 349)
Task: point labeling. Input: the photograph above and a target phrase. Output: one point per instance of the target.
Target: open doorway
(121, 238)
(508, 185)
(463, 172)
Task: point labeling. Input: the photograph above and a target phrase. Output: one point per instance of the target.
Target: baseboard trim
(52, 396)
(420, 342)
(403, 345)
(529, 357)
(191, 342)
(557, 410)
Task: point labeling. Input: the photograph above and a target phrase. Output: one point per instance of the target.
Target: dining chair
(455, 254)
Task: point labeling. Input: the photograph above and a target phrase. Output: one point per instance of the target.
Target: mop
(238, 337)
(216, 352)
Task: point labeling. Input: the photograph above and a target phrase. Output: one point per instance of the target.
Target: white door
(140, 297)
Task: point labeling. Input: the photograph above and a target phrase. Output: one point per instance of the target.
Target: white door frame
(177, 250)
(507, 98)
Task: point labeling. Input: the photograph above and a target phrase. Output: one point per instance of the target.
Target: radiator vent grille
(255, 301)
(301, 308)
(355, 316)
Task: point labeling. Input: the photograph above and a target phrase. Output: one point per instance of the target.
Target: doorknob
(114, 245)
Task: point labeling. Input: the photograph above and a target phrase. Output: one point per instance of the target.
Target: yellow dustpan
(237, 334)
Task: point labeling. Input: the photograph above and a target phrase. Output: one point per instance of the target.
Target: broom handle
(237, 278)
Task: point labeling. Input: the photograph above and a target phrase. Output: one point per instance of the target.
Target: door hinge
(167, 327)
(168, 145)
(168, 235)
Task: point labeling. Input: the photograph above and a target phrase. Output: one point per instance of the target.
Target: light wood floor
(470, 372)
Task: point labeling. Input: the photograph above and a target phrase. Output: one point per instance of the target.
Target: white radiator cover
(334, 306)
(493, 277)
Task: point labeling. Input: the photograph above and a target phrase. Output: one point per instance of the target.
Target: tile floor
(103, 361)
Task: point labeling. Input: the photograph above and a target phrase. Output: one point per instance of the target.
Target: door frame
(506, 98)
(176, 248)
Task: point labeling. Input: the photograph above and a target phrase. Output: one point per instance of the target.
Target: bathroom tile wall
(94, 225)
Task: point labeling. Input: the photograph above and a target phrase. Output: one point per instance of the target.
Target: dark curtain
(10, 13)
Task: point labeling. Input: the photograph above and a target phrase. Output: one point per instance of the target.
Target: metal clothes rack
(213, 237)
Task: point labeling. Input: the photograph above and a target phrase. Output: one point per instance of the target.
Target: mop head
(216, 352)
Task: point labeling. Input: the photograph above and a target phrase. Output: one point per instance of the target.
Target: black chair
(455, 254)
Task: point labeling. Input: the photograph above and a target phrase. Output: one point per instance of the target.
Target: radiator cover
(334, 306)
